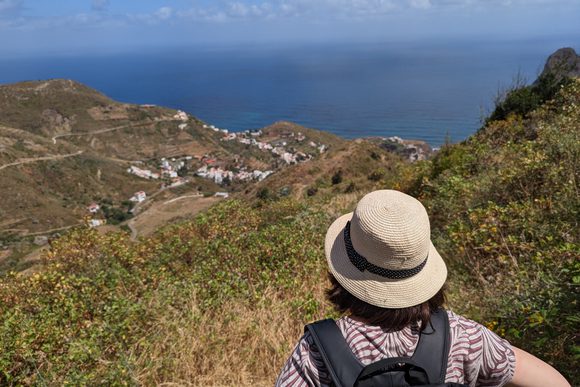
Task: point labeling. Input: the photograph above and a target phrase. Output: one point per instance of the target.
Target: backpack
(427, 366)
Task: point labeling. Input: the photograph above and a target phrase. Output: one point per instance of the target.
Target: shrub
(264, 193)
(377, 175)
(351, 187)
(521, 100)
(337, 177)
(311, 191)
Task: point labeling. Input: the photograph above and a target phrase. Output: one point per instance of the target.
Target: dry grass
(343, 203)
(164, 212)
(241, 345)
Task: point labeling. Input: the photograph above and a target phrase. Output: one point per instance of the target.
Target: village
(177, 171)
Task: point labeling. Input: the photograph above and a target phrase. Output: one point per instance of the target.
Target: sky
(77, 26)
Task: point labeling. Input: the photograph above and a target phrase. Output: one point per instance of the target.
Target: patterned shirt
(477, 357)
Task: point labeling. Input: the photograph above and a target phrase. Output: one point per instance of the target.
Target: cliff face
(562, 63)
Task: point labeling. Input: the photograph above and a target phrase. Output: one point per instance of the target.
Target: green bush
(80, 320)
(521, 100)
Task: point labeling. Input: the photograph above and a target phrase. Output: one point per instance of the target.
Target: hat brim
(377, 290)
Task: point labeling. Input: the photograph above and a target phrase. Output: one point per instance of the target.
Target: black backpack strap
(432, 349)
(342, 365)
(414, 374)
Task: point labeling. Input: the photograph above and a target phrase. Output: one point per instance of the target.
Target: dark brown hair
(388, 319)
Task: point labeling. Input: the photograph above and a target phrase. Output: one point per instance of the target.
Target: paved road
(36, 159)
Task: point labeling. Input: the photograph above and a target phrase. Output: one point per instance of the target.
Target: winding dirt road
(36, 159)
(54, 138)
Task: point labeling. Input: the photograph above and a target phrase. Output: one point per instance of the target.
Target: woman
(388, 279)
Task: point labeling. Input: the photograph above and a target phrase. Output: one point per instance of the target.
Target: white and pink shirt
(477, 356)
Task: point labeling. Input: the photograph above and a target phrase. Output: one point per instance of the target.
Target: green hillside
(505, 208)
(232, 288)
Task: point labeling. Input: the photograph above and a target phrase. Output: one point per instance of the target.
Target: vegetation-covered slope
(505, 208)
(232, 288)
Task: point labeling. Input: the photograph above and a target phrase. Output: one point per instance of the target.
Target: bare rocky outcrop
(55, 123)
(562, 63)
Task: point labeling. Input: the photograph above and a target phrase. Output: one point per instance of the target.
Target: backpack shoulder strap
(341, 363)
(432, 349)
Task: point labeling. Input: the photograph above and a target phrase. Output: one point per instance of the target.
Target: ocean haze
(413, 90)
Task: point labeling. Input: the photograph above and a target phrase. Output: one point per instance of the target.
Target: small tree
(263, 193)
(337, 177)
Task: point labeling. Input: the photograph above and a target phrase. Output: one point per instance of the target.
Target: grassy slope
(231, 289)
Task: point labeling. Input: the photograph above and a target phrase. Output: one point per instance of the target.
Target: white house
(181, 115)
(96, 222)
(144, 173)
(139, 197)
(93, 208)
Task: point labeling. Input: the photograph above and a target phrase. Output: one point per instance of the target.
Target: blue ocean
(413, 90)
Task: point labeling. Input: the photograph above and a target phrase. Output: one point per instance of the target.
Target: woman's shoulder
(463, 327)
(459, 321)
(478, 355)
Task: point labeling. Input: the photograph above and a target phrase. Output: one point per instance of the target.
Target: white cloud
(421, 4)
(284, 9)
(222, 11)
(164, 13)
(240, 10)
(99, 5)
(10, 6)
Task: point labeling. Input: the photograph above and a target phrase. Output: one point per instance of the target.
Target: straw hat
(382, 252)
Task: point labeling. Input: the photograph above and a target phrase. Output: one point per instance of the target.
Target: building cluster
(219, 175)
(412, 150)
(251, 137)
(93, 209)
(168, 169)
(216, 129)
